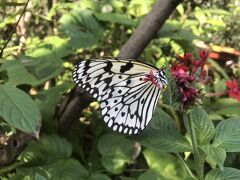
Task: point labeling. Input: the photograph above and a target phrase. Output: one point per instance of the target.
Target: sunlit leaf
(168, 166)
(150, 175)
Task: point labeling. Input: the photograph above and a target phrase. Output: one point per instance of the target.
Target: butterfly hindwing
(127, 101)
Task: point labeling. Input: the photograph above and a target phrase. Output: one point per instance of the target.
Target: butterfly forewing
(127, 101)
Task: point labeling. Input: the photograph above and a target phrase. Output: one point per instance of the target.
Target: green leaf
(150, 175)
(164, 140)
(227, 107)
(140, 7)
(217, 155)
(39, 177)
(228, 135)
(171, 94)
(17, 73)
(67, 169)
(5, 4)
(50, 49)
(116, 18)
(47, 150)
(202, 124)
(19, 110)
(114, 164)
(115, 151)
(61, 169)
(168, 166)
(47, 101)
(110, 144)
(227, 174)
(31, 70)
(218, 68)
(98, 176)
(161, 120)
(82, 28)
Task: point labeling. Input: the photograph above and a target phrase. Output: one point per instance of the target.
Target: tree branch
(148, 28)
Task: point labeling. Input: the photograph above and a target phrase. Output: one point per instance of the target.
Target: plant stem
(196, 153)
(174, 114)
(185, 165)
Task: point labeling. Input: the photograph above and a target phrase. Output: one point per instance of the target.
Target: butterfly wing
(126, 100)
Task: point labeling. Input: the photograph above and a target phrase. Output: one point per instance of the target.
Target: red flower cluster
(186, 73)
(234, 91)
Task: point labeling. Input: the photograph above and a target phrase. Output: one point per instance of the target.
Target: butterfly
(127, 90)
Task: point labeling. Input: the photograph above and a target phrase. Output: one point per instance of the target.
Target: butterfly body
(127, 90)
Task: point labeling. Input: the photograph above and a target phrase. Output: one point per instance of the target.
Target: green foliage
(116, 151)
(82, 28)
(203, 126)
(168, 166)
(170, 95)
(23, 116)
(150, 174)
(228, 135)
(36, 83)
(226, 174)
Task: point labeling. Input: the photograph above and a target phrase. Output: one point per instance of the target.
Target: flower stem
(196, 154)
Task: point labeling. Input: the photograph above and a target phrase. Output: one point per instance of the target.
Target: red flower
(185, 58)
(234, 91)
(184, 74)
(201, 62)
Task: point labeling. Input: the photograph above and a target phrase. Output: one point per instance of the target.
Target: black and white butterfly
(127, 90)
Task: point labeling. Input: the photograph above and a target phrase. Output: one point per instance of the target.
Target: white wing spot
(120, 128)
(115, 127)
(110, 123)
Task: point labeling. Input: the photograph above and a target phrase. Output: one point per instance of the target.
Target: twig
(14, 28)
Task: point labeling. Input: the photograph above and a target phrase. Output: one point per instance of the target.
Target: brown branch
(148, 28)
(71, 108)
(13, 148)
